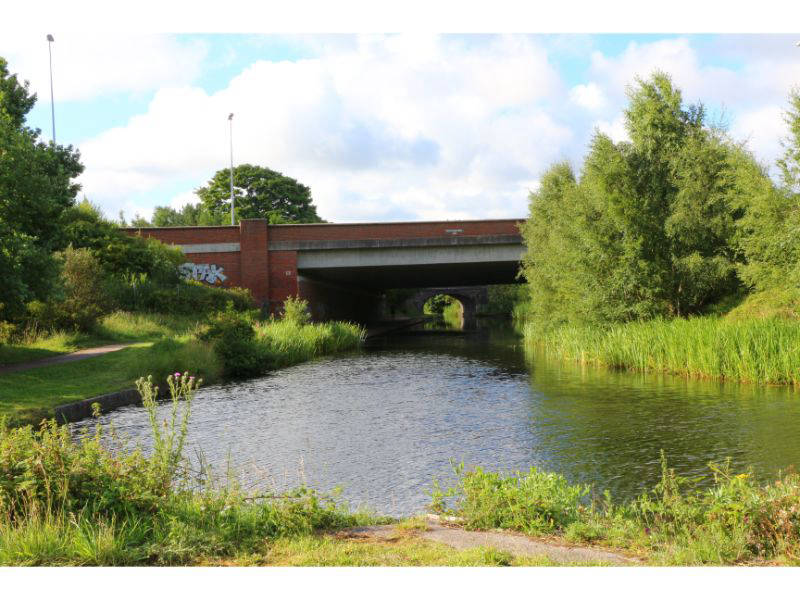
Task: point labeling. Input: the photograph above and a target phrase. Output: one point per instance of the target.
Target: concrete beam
(373, 257)
(205, 248)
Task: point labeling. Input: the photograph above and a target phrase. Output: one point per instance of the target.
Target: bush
(234, 342)
(535, 502)
(183, 297)
(84, 296)
(295, 310)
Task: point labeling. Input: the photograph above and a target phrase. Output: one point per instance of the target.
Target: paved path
(62, 358)
(514, 543)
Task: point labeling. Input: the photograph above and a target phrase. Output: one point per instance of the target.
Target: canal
(382, 423)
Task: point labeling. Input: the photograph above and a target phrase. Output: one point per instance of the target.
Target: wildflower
(177, 375)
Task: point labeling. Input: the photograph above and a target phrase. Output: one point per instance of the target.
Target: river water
(382, 423)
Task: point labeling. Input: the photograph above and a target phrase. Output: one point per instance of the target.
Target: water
(384, 422)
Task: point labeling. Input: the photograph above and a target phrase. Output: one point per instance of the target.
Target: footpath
(63, 358)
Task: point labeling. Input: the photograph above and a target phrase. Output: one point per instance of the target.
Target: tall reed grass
(287, 342)
(754, 350)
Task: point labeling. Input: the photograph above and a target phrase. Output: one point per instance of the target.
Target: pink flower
(177, 374)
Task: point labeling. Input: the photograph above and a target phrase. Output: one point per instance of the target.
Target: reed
(749, 350)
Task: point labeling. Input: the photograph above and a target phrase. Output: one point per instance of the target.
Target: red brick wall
(254, 258)
(372, 231)
(188, 235)
(282, 276)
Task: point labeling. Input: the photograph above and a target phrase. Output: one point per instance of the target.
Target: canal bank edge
(69, 413)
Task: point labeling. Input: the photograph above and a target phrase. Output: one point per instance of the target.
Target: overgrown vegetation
(680, 221)
(763, 351)
(75, 501)
(735, 521)
(229, 344)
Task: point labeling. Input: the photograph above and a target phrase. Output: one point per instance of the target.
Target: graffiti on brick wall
(203, 272)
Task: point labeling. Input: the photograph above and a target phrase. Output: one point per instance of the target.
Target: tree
(36, 188)
(648, 229)
(769, 232)
(259, 193)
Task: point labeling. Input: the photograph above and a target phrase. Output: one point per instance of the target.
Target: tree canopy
(259, 193)
(36, 188)
(651, 226)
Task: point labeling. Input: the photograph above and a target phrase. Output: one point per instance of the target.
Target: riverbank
(764, 351)
(159, 345)
(73, 501)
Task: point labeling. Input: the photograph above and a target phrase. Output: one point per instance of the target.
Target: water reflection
(387, 420)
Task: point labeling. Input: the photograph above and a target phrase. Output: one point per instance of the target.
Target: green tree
(769, 232)
(648, 229)
(259, 193)
(36, 188)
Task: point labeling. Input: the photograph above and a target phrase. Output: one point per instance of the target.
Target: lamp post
(50, 40)
(230, 122)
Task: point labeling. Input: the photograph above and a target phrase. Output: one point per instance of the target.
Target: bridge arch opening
(448, 310)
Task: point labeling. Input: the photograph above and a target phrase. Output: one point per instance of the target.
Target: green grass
(734, 522)
(28, 396)
(116, 327)
(286, 343)
(763, 351)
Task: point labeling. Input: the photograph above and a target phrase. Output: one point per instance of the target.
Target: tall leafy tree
(647, 230)
(259, 193)
(36, 188)
(769, 232)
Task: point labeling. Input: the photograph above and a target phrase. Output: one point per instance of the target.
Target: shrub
(295, 310)
(234, 342)
(535, 502)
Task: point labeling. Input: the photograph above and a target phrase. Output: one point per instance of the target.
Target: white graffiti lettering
(204, 272)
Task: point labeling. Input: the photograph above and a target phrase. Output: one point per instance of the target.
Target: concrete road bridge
(342, 269)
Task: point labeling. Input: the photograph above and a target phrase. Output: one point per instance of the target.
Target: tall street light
(230, 122)
(50, 40)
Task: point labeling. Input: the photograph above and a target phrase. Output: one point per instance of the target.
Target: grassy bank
(734, 522)
(170, 344)
(748, 350)
(119, 326)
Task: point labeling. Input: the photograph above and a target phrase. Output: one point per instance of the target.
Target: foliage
(188, 216)
(748, 350)
(181, 297)
(259, 193)
(234, 342)
(435, 305)
(648, 228)
(503, 298)
(35, 189)
(769, 233)
(733, 521)
(76, 501)
(295, 310)
(129, 258)
(534, 502)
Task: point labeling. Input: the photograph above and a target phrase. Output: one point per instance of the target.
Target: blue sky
(381, 127)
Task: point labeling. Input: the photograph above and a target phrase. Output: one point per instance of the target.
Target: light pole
(50, 40)
(230, 122)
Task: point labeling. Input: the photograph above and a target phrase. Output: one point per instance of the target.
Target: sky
(381, 127)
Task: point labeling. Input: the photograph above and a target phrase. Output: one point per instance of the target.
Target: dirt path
(63, 358)
(513, 543)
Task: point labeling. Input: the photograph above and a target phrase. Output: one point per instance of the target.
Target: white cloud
(614, 129)
(88, 65)
(588, 96)
(396, 127)
(763, 128)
